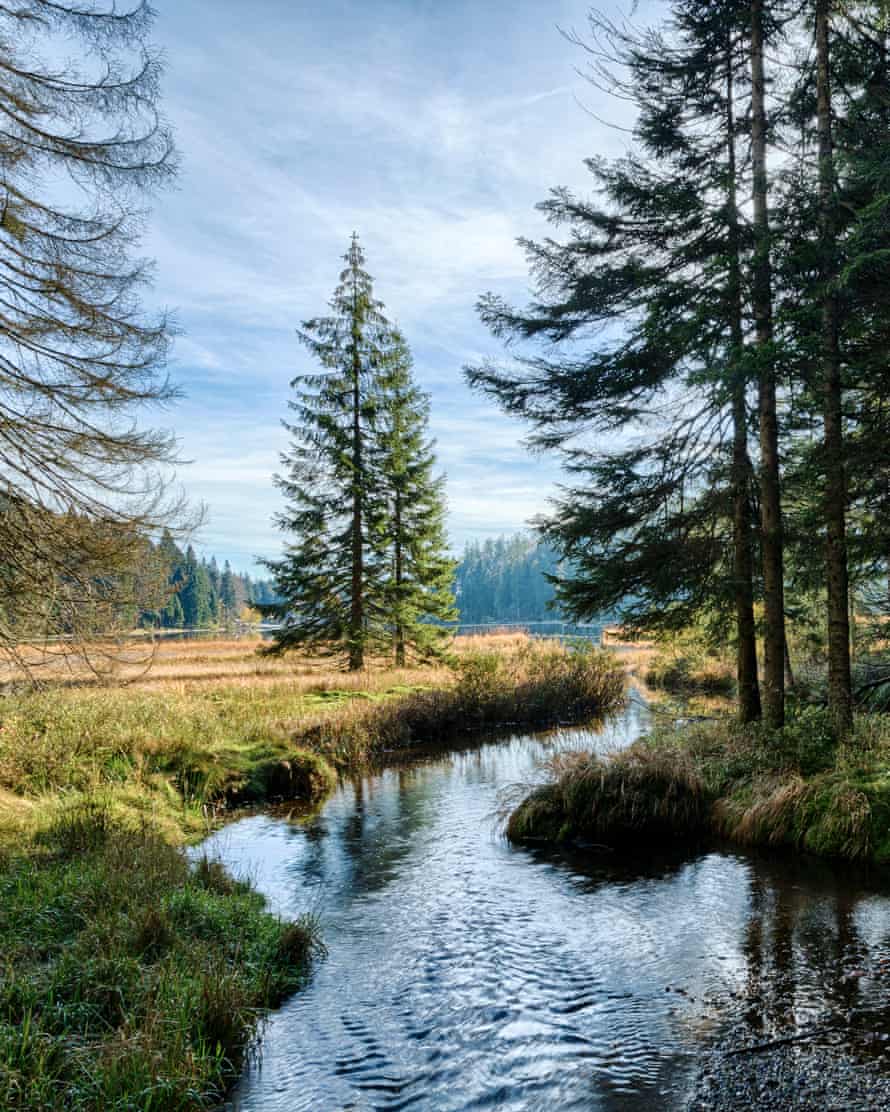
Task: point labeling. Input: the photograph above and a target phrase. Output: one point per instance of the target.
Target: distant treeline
(203, 594)
(505, 580)
(500, 580)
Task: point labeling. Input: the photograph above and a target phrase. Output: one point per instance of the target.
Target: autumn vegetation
(127, 970)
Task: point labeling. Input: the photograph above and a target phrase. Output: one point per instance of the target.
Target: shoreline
(712, 781)
(148, 972)
(807, 1070)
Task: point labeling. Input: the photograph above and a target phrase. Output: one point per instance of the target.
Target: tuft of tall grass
(536, 685)
(633, 796)
(798, 789)
(131, 980)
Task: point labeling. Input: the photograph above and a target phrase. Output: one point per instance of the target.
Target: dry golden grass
(213, 719)
(229, 662)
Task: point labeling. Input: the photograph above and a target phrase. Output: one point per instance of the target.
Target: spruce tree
(196, 596)
(652, 269)
(171, 616)
(772, 544)
(418, 578)
(864, 286)
(831, 286)
(228, 595)
(329, 578)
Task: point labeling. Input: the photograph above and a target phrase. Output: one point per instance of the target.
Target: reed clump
(536, 685)
(799, 789)
(624, 799)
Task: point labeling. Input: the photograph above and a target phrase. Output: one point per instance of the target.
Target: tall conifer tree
(663, 522)
(228, 594)
(196, 596)
(834, 286)
(772, 540)
(329, 578)
(419, 575)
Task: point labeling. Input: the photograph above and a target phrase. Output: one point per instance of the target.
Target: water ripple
(466, 975)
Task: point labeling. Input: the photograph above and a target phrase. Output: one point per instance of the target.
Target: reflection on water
(465, 974)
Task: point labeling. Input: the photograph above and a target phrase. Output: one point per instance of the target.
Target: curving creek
(466, 974)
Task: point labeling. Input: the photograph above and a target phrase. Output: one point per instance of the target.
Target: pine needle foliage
(639, 376)
(419, 576)
(330, 575)
(366, 568)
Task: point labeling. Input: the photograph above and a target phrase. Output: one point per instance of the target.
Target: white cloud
(432, 130)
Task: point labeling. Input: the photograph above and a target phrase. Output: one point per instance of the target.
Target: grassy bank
(798, 789)
(131, 981)
(689, 667)
(179, 754)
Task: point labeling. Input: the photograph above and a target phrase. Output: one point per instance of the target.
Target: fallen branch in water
(758, 1048)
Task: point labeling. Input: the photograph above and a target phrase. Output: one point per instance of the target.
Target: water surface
(466, 974)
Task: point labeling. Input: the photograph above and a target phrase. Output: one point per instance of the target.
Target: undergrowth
(691, 670)
(798, 788)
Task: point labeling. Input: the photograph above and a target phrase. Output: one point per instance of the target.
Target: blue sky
(432, 127)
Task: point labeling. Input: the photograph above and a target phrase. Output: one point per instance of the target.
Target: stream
(464, 973)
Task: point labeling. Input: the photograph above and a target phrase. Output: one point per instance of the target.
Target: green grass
(180, 759)
(131, 981)
(691, 670)
(798, 789)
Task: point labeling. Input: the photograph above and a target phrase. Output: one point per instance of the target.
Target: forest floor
(131, 979)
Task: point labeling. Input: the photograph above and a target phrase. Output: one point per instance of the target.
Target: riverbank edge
(794, 1069)
(251, 959)
(796, 791)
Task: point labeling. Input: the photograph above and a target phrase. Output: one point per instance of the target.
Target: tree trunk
(770, 489)
(743, 563)
(400, 625)
(840, 695)
(789, 671)
(357, 607)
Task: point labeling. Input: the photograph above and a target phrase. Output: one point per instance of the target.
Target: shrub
(810, 740)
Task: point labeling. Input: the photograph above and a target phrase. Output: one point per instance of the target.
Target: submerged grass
(131, 980)
(799, 789)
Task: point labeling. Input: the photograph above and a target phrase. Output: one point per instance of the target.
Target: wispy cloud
(431, 129)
